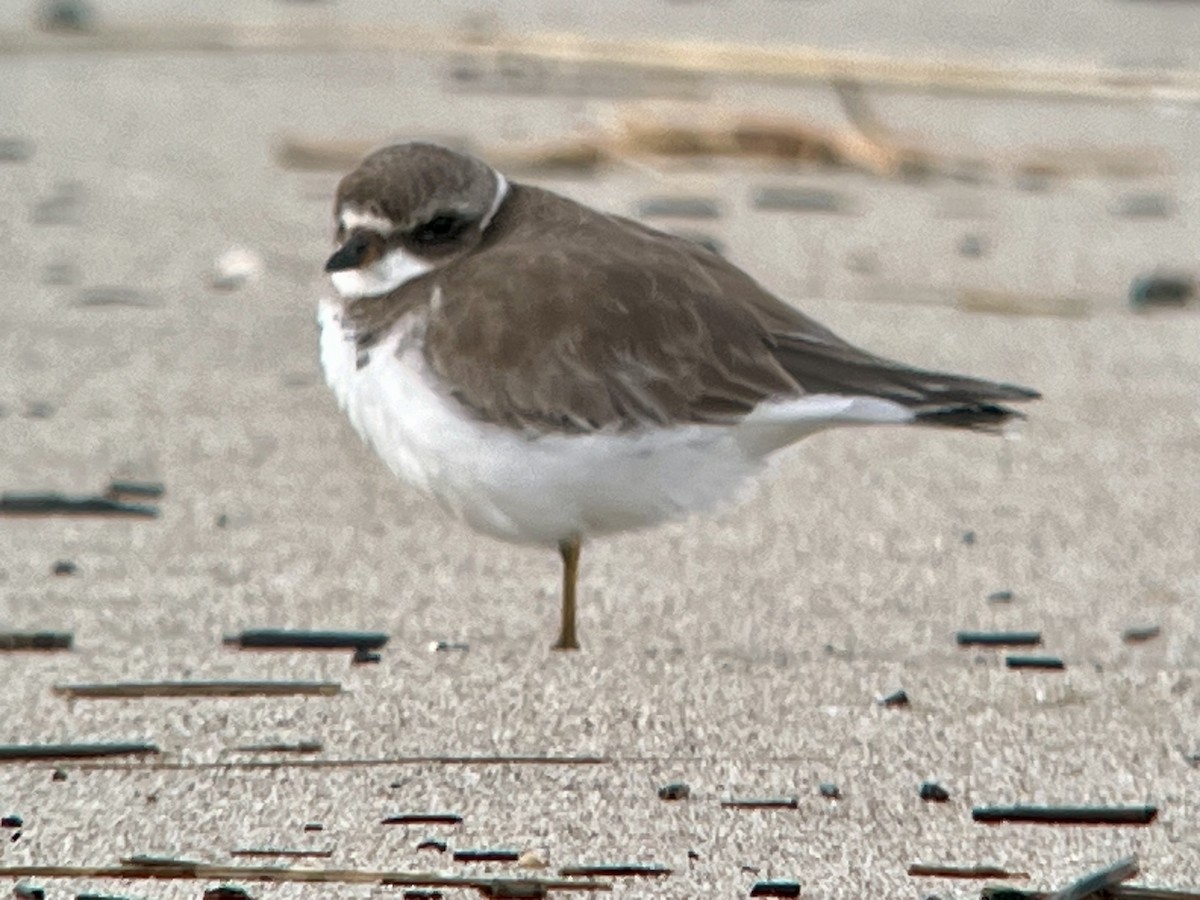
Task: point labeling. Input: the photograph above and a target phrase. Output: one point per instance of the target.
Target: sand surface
(742, 653)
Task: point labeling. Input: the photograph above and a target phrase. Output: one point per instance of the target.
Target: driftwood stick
(179, 870)
(138, 689)
(309, 746)
(1098, 882)
(36, 640)
(1116, 892)
(998, 638)
(13, 752)
(286, 852)
(939, 870)
(50, 504)
(761, 803)
(284, 639)
(1137, 892)
(357, 763)
(1067, 815)
(797, 64)
(616, 870)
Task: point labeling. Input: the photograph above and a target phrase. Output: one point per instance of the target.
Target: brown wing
(597, 340)
(646, 328)
(823, 368)
(821, 362)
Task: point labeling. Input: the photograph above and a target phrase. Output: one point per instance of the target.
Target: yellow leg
(567, 639)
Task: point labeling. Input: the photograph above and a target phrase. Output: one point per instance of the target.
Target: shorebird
(548, 372)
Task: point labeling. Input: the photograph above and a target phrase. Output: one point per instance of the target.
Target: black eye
(440, 229)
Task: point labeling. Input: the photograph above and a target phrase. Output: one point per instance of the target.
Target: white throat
(394, 268)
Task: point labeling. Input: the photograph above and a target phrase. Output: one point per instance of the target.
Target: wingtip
(1014, 393)
(987, 417)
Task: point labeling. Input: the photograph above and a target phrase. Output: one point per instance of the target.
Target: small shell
(532, 859)
(236, 267)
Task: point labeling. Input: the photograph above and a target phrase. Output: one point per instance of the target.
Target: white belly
(544, 489)
(522, 488)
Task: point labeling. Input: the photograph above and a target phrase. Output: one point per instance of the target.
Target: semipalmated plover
(549, 373)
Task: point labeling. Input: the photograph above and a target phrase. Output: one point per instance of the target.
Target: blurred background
(1009, 190)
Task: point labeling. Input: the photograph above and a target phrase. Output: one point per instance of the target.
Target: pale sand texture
(740, 653)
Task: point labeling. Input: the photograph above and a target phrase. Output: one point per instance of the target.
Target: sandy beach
(742, 654)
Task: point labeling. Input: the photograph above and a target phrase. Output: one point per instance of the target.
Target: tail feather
(936, 398)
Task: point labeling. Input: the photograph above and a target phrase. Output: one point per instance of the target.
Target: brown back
(568, 320)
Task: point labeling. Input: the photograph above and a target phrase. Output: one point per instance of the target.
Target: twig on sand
(775, 64)
(36, 640)
(1067, 815)
(761, 803)
(50, 504)
(13, 752)
(284, 639)
(140, 689)
(1105, 883)
(1096, 882)
(940, 870)
(141, 867)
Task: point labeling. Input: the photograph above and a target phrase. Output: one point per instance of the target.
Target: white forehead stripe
(501, 193)
(381, 277)
(352, 218)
